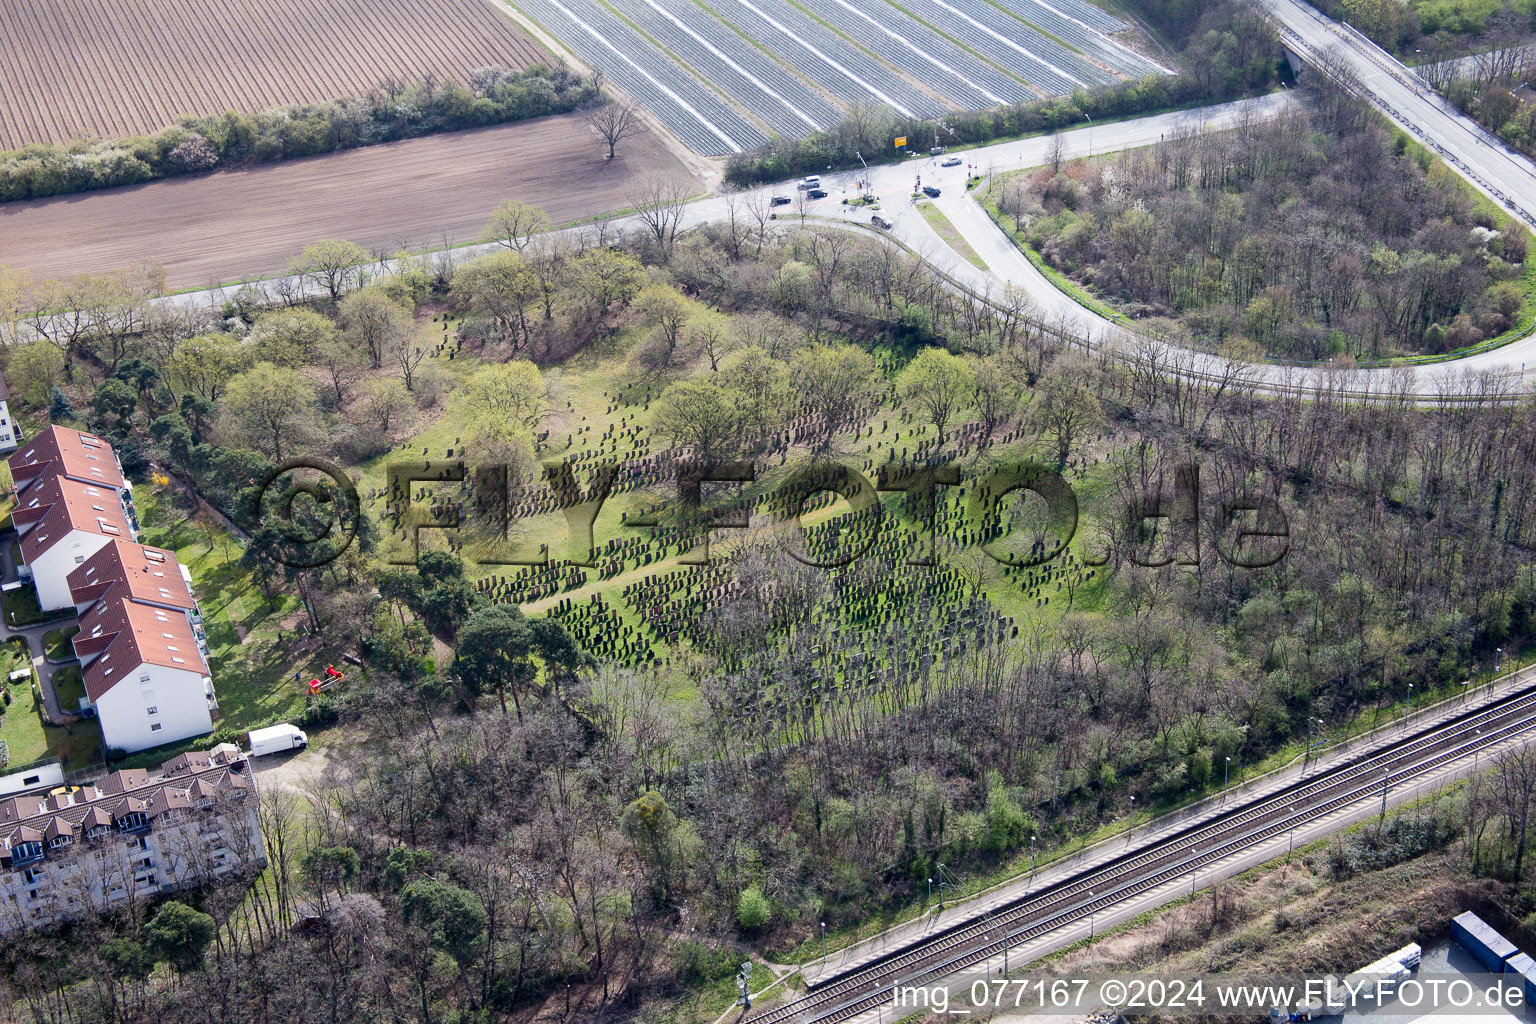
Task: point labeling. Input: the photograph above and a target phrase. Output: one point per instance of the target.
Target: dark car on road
(930, 192)
(880, 222)
(815, 193)
(781, 201)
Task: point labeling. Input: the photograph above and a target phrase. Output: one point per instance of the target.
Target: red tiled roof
(33, 816)
(149, 575)
(71, 453)
(133, 634)
(55, 506)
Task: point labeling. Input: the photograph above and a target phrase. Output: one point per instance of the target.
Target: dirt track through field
(124, 67)
(414, 194)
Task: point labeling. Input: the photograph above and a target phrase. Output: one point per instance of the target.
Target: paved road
(1505, 174)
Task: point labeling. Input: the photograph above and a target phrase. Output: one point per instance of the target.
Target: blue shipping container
(1478, 937)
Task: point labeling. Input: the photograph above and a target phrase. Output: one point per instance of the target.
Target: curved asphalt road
(893, 184)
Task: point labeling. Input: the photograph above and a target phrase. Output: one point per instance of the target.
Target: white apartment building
(69, 852)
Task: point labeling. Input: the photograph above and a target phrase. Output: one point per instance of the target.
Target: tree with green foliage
(274, 407)
(374, 322)
(127, 959)
(833, 382)
(599, 279)
(752, 909)
(700, 414)
(330, 262)
(179, 935)
(111, 405)
(502, 288)
(495, 652)
(763, 381)
(449, 920)
(552, 642)
(290, 337)
(402, 863)
(940, 384)
(204, 364)
(34, 370)
(652, 827)
(60, 408)
(328, 868)
(513, 224)
(445, 599)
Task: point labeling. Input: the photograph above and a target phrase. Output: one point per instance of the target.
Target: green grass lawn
(22, 609)
(70, 686)
(252, 670)
(56, 645)
(950, 234)
(26, 738)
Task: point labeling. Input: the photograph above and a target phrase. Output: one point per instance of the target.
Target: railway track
(965, 944)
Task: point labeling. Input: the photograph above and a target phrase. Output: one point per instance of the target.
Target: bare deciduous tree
(614, 122)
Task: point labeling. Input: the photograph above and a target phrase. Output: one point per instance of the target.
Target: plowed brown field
(413, 194)
(125, 67)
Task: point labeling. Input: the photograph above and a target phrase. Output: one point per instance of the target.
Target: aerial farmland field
(112, 69)
(726, 74)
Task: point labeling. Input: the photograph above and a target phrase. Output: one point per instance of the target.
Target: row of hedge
(198, 144)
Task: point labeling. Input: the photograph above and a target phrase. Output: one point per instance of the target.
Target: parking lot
(727, 76)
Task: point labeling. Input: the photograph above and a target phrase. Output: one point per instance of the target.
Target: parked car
(780, 201)
(930, 192)
(815, 193)
(953, 161)
(880, 222)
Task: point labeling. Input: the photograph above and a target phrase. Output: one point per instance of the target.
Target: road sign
(901, 140)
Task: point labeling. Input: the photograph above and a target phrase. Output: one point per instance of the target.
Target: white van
(809, 181)
(275, 739)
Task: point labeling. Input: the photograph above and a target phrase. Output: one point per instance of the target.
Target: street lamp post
(930, 896)
(1130, 828)
(1226, 776)
(1031, 858)
(1090, 913)
(823, 943)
